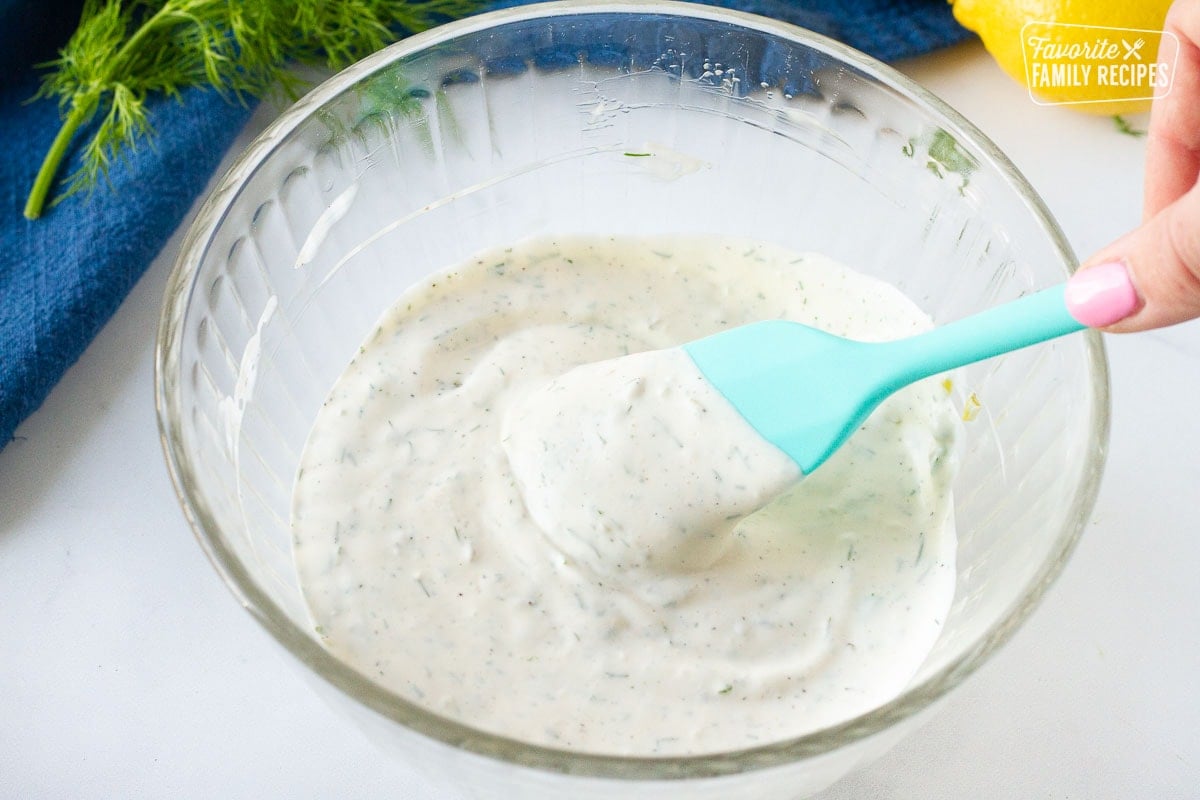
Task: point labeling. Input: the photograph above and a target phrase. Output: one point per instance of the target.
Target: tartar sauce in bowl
(621, 618)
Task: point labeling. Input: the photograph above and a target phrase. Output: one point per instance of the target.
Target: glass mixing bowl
(614, 118)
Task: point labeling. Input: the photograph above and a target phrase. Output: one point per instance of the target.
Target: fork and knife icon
(1133, 50)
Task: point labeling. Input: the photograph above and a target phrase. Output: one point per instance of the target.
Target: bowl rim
(182, 282)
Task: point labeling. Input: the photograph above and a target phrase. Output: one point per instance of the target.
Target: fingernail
(1102, 295)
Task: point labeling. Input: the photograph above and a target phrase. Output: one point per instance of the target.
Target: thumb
(1149, 278)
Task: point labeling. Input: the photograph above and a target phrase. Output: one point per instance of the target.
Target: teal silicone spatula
(807, 391)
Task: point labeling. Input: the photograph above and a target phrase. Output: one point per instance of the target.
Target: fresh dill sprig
(124, 51)
(1124, 127)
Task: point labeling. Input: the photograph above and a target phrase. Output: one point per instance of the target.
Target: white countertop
(127, 669)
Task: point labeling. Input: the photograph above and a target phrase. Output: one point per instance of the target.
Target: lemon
(1096, 55)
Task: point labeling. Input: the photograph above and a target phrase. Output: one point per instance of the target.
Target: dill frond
(1124, 127)
(127, 50)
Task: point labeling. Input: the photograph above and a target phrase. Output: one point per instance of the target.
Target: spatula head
(803, 390)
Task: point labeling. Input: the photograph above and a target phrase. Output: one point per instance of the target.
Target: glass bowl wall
(614, 119)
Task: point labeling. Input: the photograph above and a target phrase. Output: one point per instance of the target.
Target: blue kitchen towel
(63, 276)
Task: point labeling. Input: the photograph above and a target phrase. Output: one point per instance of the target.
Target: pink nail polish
(1102, 295)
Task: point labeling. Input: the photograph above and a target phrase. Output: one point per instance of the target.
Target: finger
(1148, 278)
(1173, 145)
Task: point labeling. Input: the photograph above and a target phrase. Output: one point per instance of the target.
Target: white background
(127, 669)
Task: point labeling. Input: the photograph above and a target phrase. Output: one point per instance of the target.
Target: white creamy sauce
(638, 462)
(443, 558)
(232, 408)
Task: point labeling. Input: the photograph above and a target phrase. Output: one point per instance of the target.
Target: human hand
(1150, 277)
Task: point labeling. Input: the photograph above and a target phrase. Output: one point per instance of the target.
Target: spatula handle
(1012, 326)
